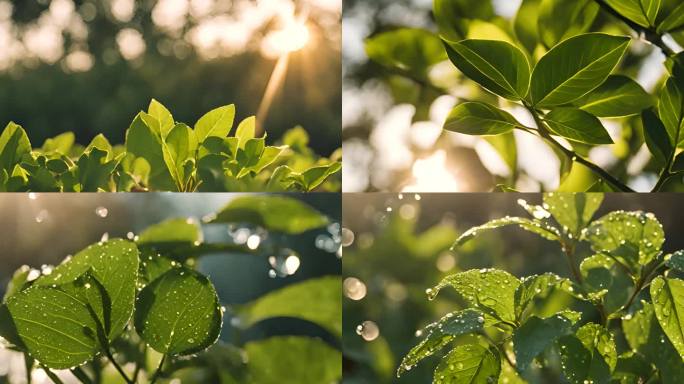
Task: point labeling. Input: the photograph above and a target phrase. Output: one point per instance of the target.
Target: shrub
(555, 65)
(161, 154)
(138, 307)
(616, 320)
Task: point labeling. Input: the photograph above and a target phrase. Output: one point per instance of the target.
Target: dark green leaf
(644, 335)
(575, 67)
(604, 278)
(536, 334)
(533, 226)
(619, 96)
(469, 364)
(525, 24)
(275, 213)
(674, 20)
(178, 313)
(475, 118)
(315, 176)
(561, 19)
(573, 211)
(489, 290)
(668, 302)
(442, 332)
(633, 238)
(172, 231)
(57, 327)
(498, 66)
(314, 300)
(671, 109)
(589, 355)
(408, 50)
(676, 261)
(115, 265)
(532, 287)
(642, 12)
(656, 136)
(94, 171)
(577, 125)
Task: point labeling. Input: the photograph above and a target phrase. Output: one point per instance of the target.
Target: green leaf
(141, 141)
(476, 118)
(94, 171)
(181, 144)
(632, 368)
(561, 19)
(656, 136)
(532, 287)
(314, 300)
(525, 24)
(618, 96)
(442, 332)
(577, 125)
(61, 143)
(115, 265)
(172, 231)
(313, 177)
(668, 301)
(533, 226)
(674, 20)
(536, 334)
(405, 49)
(14, 145)
(490, 290)
(178, 313)
(217, 122)
(507, 148)
(274, 213)
(671, 109)
(604, 278)
(676, 261)
(469, 364)
(57, 327)
(17, 283)
(100, 142)
(575, 67)
(642, 12)
(573, 211)
(633, 238)
(245, 131)
(643, 333)
(498, 66)
(163, 116)
(589, 355)
(284, 360)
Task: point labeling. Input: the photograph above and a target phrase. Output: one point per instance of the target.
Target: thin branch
(116, 365)
(158, 372)
(55, 379)
(81, 375)
(544, 133)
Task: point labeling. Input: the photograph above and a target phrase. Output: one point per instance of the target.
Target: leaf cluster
(139, 307)
(160, 154)
(623, 324)
(549, 64)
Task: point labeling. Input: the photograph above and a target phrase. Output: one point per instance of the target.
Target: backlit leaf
(475, 118)
(668, 302)
(577, 125)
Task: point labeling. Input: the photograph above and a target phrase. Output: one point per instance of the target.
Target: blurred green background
(397, 246)
(42, 229)
(89, 66)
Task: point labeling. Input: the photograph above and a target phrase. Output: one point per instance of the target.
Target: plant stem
(28, 365)
(158, 372)
(117, 366)
(499, 347)
(546, 135)
(55, 379)
(648, 33)
(81, 375)
(569, 251)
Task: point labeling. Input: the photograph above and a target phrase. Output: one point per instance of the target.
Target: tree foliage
(623, 324)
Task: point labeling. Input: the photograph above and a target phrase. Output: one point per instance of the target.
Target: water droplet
(354, 288)
(368, 330)
(101, 212)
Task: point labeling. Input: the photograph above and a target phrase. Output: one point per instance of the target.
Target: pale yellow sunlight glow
(432, 174)
(291, 38)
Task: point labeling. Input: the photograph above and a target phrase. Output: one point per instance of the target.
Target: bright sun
(291, 38)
